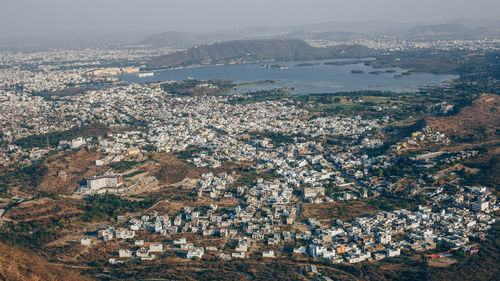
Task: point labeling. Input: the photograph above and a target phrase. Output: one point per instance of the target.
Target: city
(111, 167)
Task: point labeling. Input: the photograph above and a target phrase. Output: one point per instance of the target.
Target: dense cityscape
(110, 171)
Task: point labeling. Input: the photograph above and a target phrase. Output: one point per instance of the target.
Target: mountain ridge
(240, 51)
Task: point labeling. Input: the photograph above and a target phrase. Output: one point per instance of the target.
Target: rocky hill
(256, 50)
(483, 115)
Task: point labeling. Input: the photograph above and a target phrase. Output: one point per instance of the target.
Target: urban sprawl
(294, 166)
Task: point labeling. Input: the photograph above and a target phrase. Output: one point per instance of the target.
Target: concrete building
(86, 241)
(104, 181)
(268, 254)
(156, 248)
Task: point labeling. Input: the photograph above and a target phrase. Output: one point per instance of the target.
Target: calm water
(305, 79)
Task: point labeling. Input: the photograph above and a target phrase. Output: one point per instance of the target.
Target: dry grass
(20, 264)
(172, 170)
(43, 208)
(344, 210)
(442, 262)
(485, 112)
(66, 170)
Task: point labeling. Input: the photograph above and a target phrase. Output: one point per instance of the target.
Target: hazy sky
(32, 17)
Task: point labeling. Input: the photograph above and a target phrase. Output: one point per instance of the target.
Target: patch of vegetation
(402, 166)
(53, 139)
(369, 104)
(24, 176)
(250, 178)
(191, 87)
(46, 195)
(259, 82)
(149, 147)
(356, 71)
(389, 202)
(307, 64)
(480, 134)
(488, 175)
(4, 189)
(260, 96)
(190, 151)
(482, 266)
(122, 166)
(277, 139)
(109, 206)
(37, 233)
(440, 247)
(344, 62)
(32, 233)
(331, 189)
(133, 174)
(55, 95)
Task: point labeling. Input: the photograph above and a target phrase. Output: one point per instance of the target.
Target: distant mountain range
(240, 51)
(440, 28)
(330, 31)
(334, 31)
(450, 31)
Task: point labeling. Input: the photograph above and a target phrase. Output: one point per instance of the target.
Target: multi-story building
(104, 181)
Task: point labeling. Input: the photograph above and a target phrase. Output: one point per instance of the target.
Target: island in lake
(274, 66)
(355, 71)
(344, 62)
(307, 64)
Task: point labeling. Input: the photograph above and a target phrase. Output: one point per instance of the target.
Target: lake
(314, 78)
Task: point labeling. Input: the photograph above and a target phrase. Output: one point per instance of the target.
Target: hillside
(43, 208)
(482, 117)
(21, 264)
(63, 172)
(449, 31)
(256, 50)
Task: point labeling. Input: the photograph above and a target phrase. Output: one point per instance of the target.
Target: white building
(195, 253)
(125, 234)
(302, 250)
(240, 255)
(77, 143)
(180, 241)
(156, 248)
(311, 192)
(86, 241)
(107, 180)
(125, 253)
(268, 254)
(393, 252)
(384, 238)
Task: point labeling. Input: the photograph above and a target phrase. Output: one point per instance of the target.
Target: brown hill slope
(43, 208)
(484, 113)
(65, 170)
(20, 264)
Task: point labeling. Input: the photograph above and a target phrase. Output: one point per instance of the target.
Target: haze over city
(38, 18)
(249, 140)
